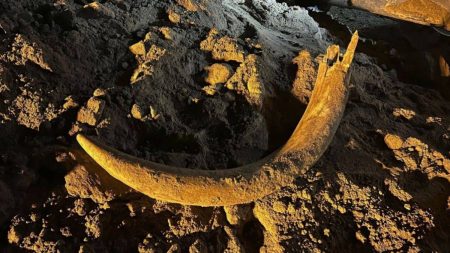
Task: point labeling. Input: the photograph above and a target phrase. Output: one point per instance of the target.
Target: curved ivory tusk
(244, 184)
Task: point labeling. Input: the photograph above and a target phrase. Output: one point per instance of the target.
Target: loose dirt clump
(222, 49)
(213, 84)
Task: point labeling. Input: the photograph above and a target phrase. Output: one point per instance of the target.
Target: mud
(135, 74)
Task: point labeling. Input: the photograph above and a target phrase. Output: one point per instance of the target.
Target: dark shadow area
(252, 236)
(282, 113)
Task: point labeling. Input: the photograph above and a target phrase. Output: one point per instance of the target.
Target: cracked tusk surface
(247, 183)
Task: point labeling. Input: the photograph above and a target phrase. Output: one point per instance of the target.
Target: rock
(89, 180)
(264, 213)
(246, 80)
(137, 112)
(138, 48)
(30, 111)
(199, 246)
(13, 235)
(397, 191)
(65, 231)
(25, 52)
(85, 249)
(70, 103)
(86, 116)
(222, 49)
(238, 215)
(211, 89)
(188, 5)
(95, 105)
(166, 32)
(326, 232)
(175, 248)
(279, 206)
(79, 207)
(173, 16)
(99, 92)
(405, 113)
(91, 113)
(360, 237)
(217, 73)
(149, 245)
(148, 249)
(97, 10)
(446, 164)
(77, 127)
(145, 62)
(148, 36)
(93, 227)
(153, 113)
(393, 141)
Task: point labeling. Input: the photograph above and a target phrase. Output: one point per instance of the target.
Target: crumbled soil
(214, 85)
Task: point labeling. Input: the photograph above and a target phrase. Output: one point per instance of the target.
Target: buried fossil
(248, 183)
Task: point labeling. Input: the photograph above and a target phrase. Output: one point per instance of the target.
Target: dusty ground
(210, 85)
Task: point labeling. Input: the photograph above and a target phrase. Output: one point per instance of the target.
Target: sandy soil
(213, 84)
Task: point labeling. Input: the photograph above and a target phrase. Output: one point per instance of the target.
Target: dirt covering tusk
(247, 183)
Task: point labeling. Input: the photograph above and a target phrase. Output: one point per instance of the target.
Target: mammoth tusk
(247, 183)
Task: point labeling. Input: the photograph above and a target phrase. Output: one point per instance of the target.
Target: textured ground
(207, 85)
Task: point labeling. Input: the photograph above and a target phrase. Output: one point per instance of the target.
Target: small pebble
(393, 142)
(99, 92)
(137, 112)
(173, 16)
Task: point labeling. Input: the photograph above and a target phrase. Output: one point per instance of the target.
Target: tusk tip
(81, 139)
(87, 144)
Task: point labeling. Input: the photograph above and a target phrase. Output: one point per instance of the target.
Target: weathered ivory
(247, 183)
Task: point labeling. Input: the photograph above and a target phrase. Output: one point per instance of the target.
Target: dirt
(213, 85)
